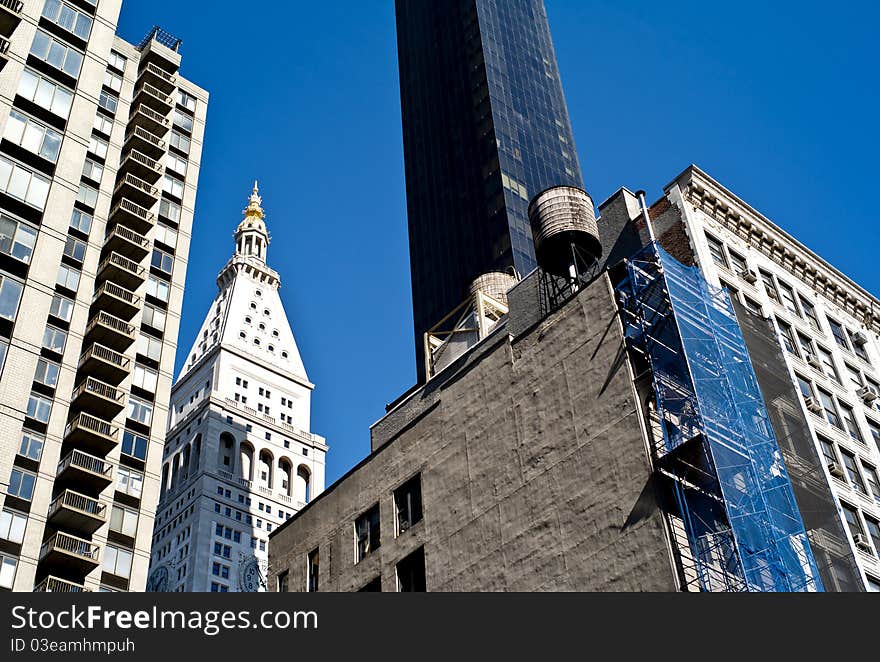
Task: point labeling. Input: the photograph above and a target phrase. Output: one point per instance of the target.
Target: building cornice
(706, 194)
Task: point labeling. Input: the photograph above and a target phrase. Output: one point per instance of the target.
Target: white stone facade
(239, 457)
(828, 326)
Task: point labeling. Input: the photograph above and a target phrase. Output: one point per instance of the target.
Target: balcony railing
(88, 422)
(138, 184)
(141, 165)
(157, 123)
(68, 544)
(118, 292)
(81, 503)
(108, 321)
(99, 389)
(88, 463)
(145, 140)
(15, 6)
(56, 585)
(119, 268)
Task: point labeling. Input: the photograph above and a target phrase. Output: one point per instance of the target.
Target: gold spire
(255, 208)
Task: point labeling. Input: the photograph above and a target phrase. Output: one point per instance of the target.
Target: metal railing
(119, 292)
(96, 425)
(162, 37)
(154, 91)
(107, 355)
(122, 262)
(56, 585)
(94, 465)
(146, 136)
(109, 321)
(4, 45)
(14, 6)
(129, 235)
(64, 542)
(99, 388)
(146, 111)
(142, 159)
(79, 502)
(159, 72)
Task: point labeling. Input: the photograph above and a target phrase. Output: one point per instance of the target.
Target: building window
(21, 484)
(23, 184)
(8, 566)
(180, 141)
(33, 136)
(852, 472)
(145, 378)
(411, 573)
(851, 515)
(88, 196)
(113, 81)
(45, 93)
(176, 164)
(158, 288)
(858, 347)
(17, 239)
(47, 373)
(154, 318)
(117, 561)
(769, 285)
(117, 61)
(61, 307)
(874, 532)
(839, 334)
(284, 582)
(873, 481)
(12, 526)
(140, 411)
(10, 297)
(172, 186)
(124, 521)
(39, 408)
(129, 481)
(170, 210)
(31, 445)
(134, 445)
(108, 101)
(93, 170)
(150, 347)
(849, 422)
(828, 452)
(166, 235)
(75, 249)
(68, 18)
(787, 337)
(810, 313)
(828, 367)
(788, 299)
(873, 585)
(79, 220)
(408, 504)
(68, 277)
(830, 409)
(367, 534)
(313, 571)
(186, 100)
(183, 120)
(875, 431)
(56, 53)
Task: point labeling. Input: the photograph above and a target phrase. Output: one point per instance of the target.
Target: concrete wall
(534, 473)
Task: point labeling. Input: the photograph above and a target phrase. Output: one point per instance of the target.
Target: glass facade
(485, 129)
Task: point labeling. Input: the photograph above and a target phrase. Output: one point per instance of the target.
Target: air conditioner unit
(813, 406)
(813, 361)
(862, 542)
(859, 338)
(867, 395)
(749, 276)
(835, 470)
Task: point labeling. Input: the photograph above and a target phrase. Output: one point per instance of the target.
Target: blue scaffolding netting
(743, 526)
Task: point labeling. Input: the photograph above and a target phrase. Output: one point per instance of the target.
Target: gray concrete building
(627, 428)
(99, 164)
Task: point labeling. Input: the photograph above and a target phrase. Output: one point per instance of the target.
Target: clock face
(158, 581)
(250, 577)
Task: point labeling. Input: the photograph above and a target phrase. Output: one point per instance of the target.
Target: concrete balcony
(141, 166)
(133, 215)
(158, 77)
(145, 117)
(98, 398)
(69, 553)
(154, 98)
(87, 472)
(10, 16)
(105, 364)
(57, 585)
(122, 271)
(110, 331)
(125, 241)
(161, 48)
(117, 300)
(77, 512)
(90, 433)
(142, 140)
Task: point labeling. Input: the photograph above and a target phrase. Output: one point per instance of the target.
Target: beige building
(99, 163)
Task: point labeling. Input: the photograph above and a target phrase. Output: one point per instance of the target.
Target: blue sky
(778, 101)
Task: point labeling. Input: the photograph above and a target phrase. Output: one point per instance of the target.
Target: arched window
(165, 477)
(285, 473)
(226, 461)
(303, 484)
(266, 469)
(247, 461)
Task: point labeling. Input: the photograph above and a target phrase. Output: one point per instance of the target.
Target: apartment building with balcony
(828, 328)
(99, 164)
(239, 458)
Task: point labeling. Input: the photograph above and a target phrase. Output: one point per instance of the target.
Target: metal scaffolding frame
(743, 527)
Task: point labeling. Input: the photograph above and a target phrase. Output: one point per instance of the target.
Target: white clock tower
(239, 457)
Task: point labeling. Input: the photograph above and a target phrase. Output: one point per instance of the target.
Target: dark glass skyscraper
(485, 128)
